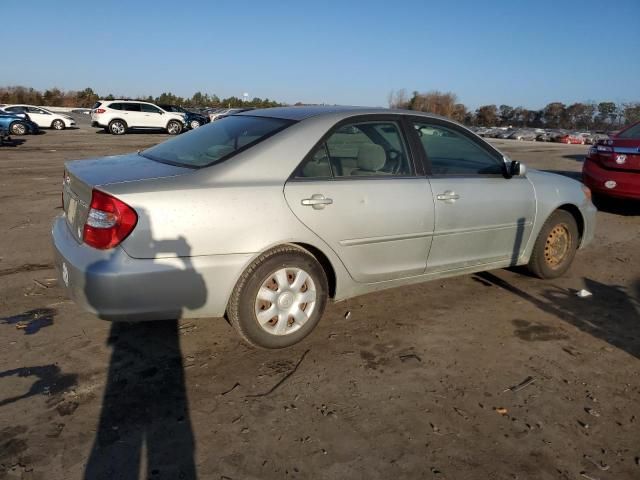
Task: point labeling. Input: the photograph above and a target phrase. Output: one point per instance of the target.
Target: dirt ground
(412, 384)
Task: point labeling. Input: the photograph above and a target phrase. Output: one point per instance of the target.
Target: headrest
(371, 157)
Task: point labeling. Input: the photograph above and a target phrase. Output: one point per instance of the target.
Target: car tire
(18, 128)
(58, 125)
(555, 247)
(194, 124)
(275, 283)
(174, 127)
(117, 127)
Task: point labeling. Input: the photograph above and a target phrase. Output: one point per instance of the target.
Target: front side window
(453, 153)
(148, 108)
(216, 141)
(364, 149)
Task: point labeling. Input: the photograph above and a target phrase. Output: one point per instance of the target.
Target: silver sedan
(263, 216)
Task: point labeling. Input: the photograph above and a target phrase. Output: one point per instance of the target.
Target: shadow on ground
(611, 314)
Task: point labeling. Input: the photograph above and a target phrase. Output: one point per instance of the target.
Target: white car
(42, 117)
(118, 116)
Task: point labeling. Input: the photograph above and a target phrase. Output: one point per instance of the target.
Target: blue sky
(347, 52)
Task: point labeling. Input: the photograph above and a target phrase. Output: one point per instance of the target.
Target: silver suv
(118, 116)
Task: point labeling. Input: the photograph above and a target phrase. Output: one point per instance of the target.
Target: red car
(571, 138)
(612, 167)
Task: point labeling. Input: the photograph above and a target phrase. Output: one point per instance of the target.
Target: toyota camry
(264, 216)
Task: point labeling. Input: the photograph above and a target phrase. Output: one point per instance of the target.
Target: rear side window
(366, 149)
(632, 133)
(96, 105)
(115, 106)
(216, 141)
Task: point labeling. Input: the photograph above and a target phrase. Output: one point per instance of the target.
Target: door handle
(317, 201)
(448, 196)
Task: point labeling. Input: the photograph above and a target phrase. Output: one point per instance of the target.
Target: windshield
(216, 141)
(633, 132)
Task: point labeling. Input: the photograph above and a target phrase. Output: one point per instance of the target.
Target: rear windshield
(97, 104)
(633, 132)
(216, 141)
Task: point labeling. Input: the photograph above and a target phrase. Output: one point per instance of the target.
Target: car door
(152, 116)
(41, 117)
(360, 192)
(481, 217)
(133, 114)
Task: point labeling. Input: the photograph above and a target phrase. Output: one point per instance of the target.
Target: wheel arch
(325, 263)
(120, 120)
(577, 215)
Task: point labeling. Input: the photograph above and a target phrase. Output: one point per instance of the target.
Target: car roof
(304, 112)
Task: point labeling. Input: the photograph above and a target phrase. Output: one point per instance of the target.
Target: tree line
(577, 116)
(86, 98)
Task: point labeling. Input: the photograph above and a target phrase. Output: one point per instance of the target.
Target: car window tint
(216, 141)
(317, 165)
(131, 107)
(148, 108)
(633, 132)
(368, 149)
(15, 109)
(452, 153)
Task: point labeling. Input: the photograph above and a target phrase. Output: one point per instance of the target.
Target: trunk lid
(625, 155)
(82, 176)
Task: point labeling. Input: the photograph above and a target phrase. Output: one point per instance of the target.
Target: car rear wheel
(194, 124)
(18, 128)
(117, 127)
(555, 247)
(58, 125)
(174, 127)
(279, 298)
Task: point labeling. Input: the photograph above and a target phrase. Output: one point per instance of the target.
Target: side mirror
(517, 169)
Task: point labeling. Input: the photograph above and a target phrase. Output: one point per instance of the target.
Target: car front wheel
(174, 127)
(279, 298)
(57, 125)
(555, 247)
(194, 124)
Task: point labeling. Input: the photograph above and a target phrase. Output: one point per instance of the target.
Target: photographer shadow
(145, 406)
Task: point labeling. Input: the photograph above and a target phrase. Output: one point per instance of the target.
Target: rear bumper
(115, 286)
(627, 184)
(96, 124)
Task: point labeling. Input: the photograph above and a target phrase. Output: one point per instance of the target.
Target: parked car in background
(192, 120)
(244, 217)
(225, 112)
(612, 166)
(119, 116)
(570, 138)
(42, 117)
(17, 123)
(523, 134)
(505, 134)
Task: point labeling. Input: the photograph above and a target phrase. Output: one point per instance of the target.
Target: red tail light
(110, 221)
(99, 110)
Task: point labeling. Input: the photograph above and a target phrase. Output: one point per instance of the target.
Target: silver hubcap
(19, 129)
(285, 301)
(195, 124)
(173, 128)
(117, 128)
(58, 125)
